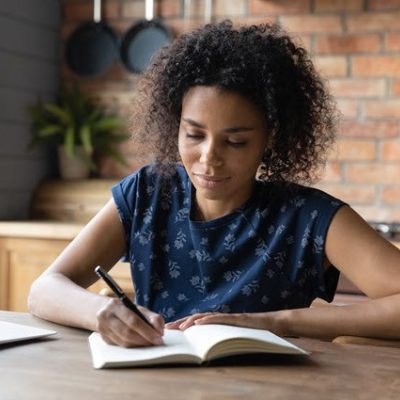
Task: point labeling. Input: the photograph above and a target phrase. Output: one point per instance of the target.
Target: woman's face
(222, 138)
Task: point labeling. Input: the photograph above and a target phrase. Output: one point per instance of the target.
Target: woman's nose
(210, 154)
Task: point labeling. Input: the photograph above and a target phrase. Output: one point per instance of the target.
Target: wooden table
(60, 368)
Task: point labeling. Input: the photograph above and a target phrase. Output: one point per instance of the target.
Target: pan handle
(207, 11)
(97, 11)
(149, 12)
(186, 9)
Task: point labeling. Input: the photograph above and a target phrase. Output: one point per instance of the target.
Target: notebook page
(204, 337)
(175, 346)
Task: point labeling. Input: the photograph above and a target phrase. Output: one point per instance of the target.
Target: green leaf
(108, 123)
(85, 134)
(69, 142)
(76, 118)
(95, 115)
(50, 130)
(58, 112)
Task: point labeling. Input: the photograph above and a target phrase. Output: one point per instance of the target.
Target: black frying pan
(93, 47)
(142, 40)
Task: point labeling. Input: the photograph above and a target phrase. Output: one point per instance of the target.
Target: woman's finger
(118, 323)
(120, 334)
(247, 320)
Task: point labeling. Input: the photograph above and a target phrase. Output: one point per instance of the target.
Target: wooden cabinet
(27, 249)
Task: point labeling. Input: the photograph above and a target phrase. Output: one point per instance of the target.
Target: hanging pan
(143, 40)
(93, 47)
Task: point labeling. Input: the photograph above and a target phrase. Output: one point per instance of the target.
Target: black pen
(120, 293)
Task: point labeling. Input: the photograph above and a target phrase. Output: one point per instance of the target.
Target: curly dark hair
(263, 64)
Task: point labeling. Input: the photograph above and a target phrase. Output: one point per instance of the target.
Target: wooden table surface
(60, 368)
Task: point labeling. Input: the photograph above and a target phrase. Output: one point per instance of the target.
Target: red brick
(348, 108)
(229, 8)
(362, 88)
(370, 129)
(133, 9)
(83, 11)
(376, 66)
(391, 195)
(163, 9)
(302, 40)
(111, 10)
(223, 9)
(392, 41)
(332, 172)
(391, 151)
(373, 173)
(278, 7)
(347, 44)
(382, 109)
(378, 213)
(354, 150)
(253, 20)
(121, 26)
(179, 26)
(169, 8)
(372, 22)
(312, 23)
(104, 87)
(352, 194)
(396, 87)
(195, 10)
(67, 29)
(378, 5)
(77, 11)
(331, 66)
(338, 5)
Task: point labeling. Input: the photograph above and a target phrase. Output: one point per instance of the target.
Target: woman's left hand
(268, 321)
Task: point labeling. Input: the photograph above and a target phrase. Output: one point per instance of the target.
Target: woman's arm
(368, 260)
(60, 294)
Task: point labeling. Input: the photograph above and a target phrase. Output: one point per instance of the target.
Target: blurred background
(355, 45)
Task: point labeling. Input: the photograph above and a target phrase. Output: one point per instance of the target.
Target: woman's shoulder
(297, 195)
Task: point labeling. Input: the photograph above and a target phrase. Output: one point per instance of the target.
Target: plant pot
(72, 167)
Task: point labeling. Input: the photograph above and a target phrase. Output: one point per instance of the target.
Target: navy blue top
(266, 255)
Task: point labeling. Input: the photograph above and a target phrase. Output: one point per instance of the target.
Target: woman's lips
(210, 181)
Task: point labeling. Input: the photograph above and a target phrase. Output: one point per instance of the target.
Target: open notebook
(10, 332)
(195, 345)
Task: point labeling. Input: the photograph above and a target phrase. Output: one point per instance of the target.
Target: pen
(120, 293)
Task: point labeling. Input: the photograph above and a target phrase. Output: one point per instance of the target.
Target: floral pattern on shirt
(266, 255)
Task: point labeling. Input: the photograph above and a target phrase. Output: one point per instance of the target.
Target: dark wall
(29, 68)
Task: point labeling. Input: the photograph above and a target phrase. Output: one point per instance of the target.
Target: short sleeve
(125, 197)
(327, 279)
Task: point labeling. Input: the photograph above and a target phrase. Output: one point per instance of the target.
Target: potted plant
(81, 128)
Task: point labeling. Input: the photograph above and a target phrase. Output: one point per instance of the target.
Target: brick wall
(356, 47)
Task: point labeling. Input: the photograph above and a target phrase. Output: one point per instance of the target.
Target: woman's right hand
(119, 325)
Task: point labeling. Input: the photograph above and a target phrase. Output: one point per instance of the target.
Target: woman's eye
(236, 144)
(193, 135)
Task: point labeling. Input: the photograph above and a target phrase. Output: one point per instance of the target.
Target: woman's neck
(207, 210)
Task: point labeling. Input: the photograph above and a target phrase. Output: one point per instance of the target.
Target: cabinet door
(23, 260)
(27, 259)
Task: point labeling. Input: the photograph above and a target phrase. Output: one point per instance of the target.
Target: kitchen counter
(40, 229)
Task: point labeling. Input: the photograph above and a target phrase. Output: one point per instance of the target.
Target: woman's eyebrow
(226, 130)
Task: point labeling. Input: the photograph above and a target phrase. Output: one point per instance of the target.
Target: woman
(228, 234)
